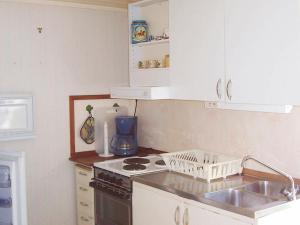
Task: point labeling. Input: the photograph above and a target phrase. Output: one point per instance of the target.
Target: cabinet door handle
(84, 219)
(228, 89)
(84, 204)
(83, 189)
(185, 220)
(82, 173)
(218, 88)
(177, 215)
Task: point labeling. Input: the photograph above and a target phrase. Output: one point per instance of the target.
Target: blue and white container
(139, 31)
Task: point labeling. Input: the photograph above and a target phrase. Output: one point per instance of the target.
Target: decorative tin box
(139, 31)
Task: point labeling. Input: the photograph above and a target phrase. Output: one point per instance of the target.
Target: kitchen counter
(195, 189)
(91, 158)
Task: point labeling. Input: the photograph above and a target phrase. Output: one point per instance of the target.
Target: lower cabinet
(155, 207)
(195, 215)
(85, 196)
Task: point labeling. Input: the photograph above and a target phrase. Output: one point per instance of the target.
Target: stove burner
(133, 161)
(134, 167)
(160, 163)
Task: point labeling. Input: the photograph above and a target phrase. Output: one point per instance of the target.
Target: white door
(8, 214)
(17, 213)
(195, 215)
(154, 207)
(262, 45)
(197, 49)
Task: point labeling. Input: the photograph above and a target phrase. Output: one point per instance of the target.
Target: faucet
(291, 195)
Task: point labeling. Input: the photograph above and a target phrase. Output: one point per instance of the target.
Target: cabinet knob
(228, 89)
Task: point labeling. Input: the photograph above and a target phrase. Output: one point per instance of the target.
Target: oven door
(112, 208)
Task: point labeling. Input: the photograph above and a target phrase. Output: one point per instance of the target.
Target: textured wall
(177, 125)
(80, 51)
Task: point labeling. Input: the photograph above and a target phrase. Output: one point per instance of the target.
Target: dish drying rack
(201, 164)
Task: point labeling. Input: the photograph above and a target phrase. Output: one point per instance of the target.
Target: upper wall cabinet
(262, 51)
(197, 49)
(236, 51)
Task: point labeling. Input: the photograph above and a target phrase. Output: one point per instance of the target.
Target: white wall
(80, 51)
(179, 125)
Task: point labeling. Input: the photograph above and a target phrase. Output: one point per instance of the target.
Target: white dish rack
(201, 164)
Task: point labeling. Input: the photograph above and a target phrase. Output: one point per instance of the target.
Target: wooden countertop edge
(267, 176)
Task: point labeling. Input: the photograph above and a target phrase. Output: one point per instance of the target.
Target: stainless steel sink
(269, 188)
(238, 198)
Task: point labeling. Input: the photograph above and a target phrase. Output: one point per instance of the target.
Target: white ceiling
(113, 3)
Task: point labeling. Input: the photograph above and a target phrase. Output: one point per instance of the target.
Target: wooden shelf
(151, 69)
(151, 43)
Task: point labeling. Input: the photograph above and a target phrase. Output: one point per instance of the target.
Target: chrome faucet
(291, 195)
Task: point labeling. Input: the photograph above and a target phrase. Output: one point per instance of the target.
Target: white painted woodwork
(156, 14)
(80, 52)
(263, 51)
(288, 216)
(17, 175)
(197, 49)
(163, 205)
(153, 207)
(84, 197)
(117, 4)
(197, 214)
(147, 93)
(16, 117)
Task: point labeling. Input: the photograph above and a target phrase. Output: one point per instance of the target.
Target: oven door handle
(110, 190)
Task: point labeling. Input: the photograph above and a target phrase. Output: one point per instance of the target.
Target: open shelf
(156, 14)
(165, 41)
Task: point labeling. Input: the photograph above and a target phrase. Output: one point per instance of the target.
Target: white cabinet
(155, 207)
(85, 196)
(262, 51)
(251, 47)
(197, 49)
(195, 215)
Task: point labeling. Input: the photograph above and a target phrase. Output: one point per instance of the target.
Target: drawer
(83, 176)
(84, 192)
(85, 207)
(83, 219)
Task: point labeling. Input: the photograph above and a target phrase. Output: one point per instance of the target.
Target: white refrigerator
(13, 208)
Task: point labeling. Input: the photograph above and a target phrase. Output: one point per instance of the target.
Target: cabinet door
(154, 207)
(199, 216)
(262, 45)
(197, 49)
